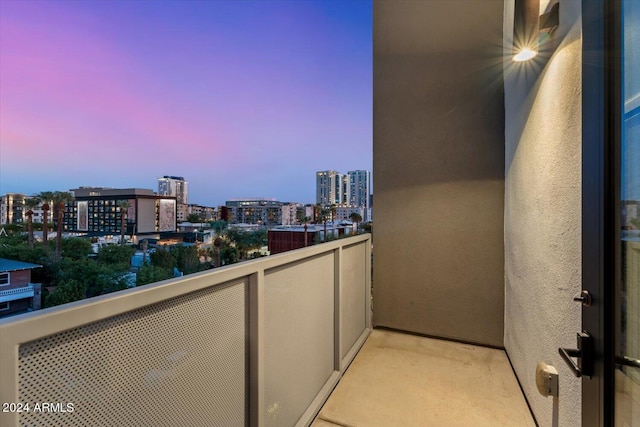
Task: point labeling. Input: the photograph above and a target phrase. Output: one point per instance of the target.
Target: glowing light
(525, 55)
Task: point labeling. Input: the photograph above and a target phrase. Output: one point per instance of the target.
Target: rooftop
(11, 265)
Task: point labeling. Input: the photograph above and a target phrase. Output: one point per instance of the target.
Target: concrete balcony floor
(404, 380)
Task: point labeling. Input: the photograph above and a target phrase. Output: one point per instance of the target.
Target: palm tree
(124, 206)
(322, 215)
(355, 217)
(59, 200)
(333, 209)
(305, 220)
(317, 209)
(46, 197)
(30, 203)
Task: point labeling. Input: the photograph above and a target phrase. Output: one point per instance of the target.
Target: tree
(305, 220)
(219, 226)
(68, 291)
(76, 248)
(46, 197)
(116, 255)
(124, 206)
(317, 208)
(323, 216)
(186, 259)
(59, 199)
(245, 241)
(162, 258)
(30, 203)
(355, 217)
(194, 218)
(333, 209)
(151, 273)
(229, 255)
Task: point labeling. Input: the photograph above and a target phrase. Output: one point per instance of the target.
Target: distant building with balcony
(174, 186)
(97, 211)
(12, 209)
(261, 211)
(17, 293)
(206, 213)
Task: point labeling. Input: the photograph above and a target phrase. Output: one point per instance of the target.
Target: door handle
(584, 355)
(585, 298)
(628, 361)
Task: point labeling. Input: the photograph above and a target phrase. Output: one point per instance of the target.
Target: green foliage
(151, 273)
(229, 255)
(113, 254)
(74, 275)
(19, 251)
(14, 230)
(355, 217)
(94, 277)
(68, 291)
(219, 226)
(245, 241)
(76, 248)
(193, 217)
(186, 259)
(162, 258)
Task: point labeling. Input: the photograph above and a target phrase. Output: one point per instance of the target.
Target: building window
(4, 306)
(4, 279)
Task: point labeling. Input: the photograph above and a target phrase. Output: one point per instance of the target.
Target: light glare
(524, 55)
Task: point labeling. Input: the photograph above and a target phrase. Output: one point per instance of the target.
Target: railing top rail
(45, 322)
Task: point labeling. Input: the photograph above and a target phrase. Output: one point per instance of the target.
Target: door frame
(601, 127)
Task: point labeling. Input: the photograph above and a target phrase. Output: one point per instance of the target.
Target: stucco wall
(439, 168)
(542, 217)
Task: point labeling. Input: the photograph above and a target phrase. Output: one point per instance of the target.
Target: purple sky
(242, 98)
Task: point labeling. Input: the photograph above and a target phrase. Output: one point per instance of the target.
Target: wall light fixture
(530, 30)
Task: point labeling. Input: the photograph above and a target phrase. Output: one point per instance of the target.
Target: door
(611, 210)
(626, 377)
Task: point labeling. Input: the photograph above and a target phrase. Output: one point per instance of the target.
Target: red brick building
(17, 293)
(287, 238)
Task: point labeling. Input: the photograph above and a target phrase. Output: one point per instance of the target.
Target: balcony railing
(16, 293)
(260, 343)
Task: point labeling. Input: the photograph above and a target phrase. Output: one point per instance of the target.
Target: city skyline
(241, 98)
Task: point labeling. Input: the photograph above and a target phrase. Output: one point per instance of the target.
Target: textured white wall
(543, 214)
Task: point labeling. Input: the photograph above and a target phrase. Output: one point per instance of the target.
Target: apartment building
(100, 211)
(174, 186)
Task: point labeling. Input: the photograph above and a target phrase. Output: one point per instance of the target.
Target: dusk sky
(242, 98)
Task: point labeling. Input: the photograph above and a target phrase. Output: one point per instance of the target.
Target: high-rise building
(358, 188)
(349, 190)
(329, 188)
(174, 186)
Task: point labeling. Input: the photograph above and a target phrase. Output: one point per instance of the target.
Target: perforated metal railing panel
(299, 337)
(180, 362)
